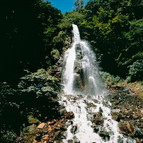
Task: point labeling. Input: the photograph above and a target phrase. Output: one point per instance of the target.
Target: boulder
(69, 115)
(104, 135)
(45, 137)
(126, 127)
(74, 129)
(41, 126)
(98, 121)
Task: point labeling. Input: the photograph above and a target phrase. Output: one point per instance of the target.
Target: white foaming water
(84, 95)
(80, 68)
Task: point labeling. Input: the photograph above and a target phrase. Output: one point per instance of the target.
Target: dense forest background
(34, 34)
(34, 30)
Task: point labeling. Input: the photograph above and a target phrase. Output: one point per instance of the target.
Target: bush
(136, 70)
(8, 137)
(110, 79)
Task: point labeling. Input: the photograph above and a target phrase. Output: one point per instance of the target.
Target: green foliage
(110, 79)
(55, 53)
(8, 137)
(64, 24)
(78, 4)
(136, 70)
(74, 17)
(33, 33)
(27, 28)
(9, 113)
(34, 101)
(32, 120)
(114, 28)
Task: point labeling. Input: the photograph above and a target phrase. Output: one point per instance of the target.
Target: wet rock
(96, 129)
(91, 105)
(62, 111)
(100, 110)
(115, 116)
(97, 115)
(126, 127)
(95, 100)
(74, 129)
(98, 121)
(120, 140)
(104, 135)
(74, 98)
(69, 115)
(70, 141)
(68, 123)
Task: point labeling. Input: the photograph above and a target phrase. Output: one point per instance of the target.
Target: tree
(78, 4)
(27, 28)
(114, 28)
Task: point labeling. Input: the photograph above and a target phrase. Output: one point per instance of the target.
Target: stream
(84, 94)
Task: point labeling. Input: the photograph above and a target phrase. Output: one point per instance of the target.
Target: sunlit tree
(78, 4)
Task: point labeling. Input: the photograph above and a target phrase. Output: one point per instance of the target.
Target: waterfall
(84, 94)
(81, 72)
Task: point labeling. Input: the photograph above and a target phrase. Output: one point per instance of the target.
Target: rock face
(127, 110)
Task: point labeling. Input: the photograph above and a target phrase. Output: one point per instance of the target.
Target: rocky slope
(42, 119)
(127, 109)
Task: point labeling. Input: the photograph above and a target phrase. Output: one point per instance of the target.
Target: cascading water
(85, 95)
(81, 73)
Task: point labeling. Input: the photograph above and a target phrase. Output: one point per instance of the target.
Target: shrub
(8, 137)
(110, 79)
(136, 70)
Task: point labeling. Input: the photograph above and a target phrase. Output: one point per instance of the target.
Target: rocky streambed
(126, 109)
